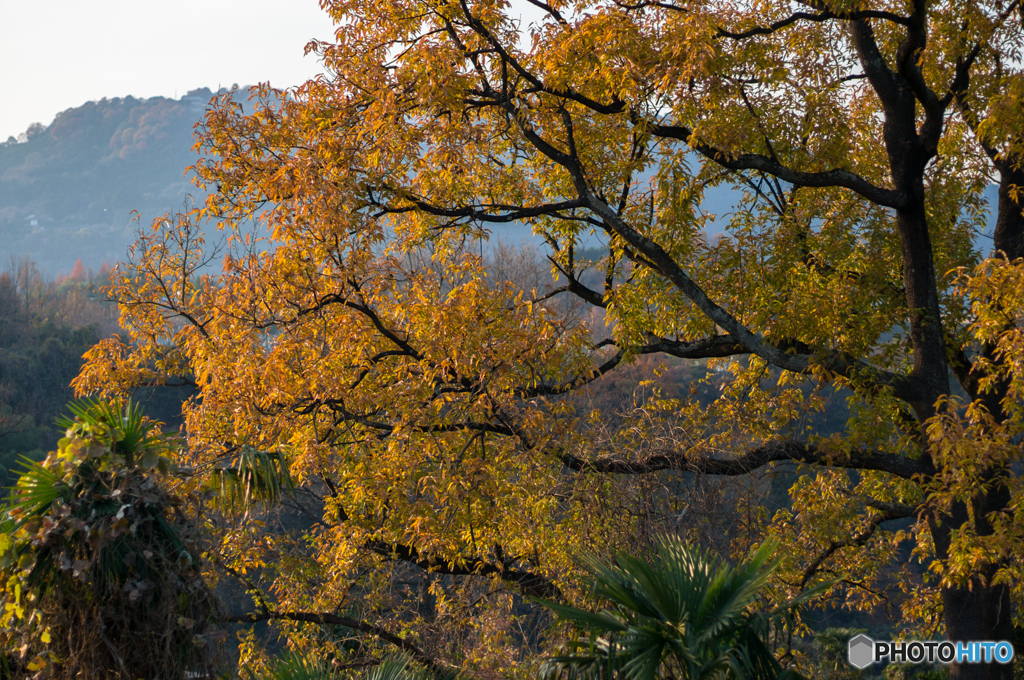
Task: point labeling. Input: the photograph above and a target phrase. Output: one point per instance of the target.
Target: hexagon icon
(862, 651)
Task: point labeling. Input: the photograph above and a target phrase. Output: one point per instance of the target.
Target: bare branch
(529, 583)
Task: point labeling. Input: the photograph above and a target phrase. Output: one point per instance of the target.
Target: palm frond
(682, 613)
(132, 435)
(397, 667)
(307, 666)
(297, 666)
(35, 492)
(252, 478)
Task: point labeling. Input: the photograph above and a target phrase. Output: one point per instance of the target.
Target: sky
(59, 54)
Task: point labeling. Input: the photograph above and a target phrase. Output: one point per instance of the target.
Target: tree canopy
(433, 402)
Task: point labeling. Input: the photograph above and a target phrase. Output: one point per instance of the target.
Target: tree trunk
(1009, 231)
(981, 612)
(978, 610)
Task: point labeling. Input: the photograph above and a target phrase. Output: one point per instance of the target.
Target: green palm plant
(101, 576)
(400, 667)
(297, 666)
(684, 614)
(130, 432)
(251, 479)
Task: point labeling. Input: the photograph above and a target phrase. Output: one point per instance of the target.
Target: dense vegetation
(451, 454)
(102, 574)
(45, 328)
(398, 440)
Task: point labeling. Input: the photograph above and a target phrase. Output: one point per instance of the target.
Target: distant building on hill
(197, 99)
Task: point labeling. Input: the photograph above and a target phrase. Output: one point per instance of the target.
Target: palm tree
(102, 580)
(684, 614)
(297, 666)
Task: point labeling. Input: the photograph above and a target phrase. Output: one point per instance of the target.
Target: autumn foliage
(443, 420)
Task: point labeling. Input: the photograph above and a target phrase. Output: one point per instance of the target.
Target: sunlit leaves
(361, 325)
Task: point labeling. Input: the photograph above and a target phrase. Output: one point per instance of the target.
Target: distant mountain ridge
(67, 191)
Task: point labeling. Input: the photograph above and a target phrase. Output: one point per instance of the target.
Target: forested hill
(67, 191)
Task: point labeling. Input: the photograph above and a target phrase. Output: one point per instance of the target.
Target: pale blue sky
(58, 54)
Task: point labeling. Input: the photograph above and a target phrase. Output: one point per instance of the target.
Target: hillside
(67, 191)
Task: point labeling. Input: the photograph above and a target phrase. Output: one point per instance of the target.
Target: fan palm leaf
(683, 613)
(252, 478)
(298, 666)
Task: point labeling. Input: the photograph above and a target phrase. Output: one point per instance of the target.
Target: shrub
(101, 577)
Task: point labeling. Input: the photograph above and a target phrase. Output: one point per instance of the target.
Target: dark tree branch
(576, 287)
(252, 587)
(883, 80)
(616, 106)
(549, 9)
(857, 541)
(501, 213)
(754, 459)
(829, 178)
(826, 15)
(715, 347)
(529, 583)
(901, 386)
(335, 620)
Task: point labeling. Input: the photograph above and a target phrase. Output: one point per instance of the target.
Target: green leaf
(682, 612)
(150, 459)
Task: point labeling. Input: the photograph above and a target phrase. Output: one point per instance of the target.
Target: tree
(437, 406)
(100, 579)
(44, 330)
(78, 271)
(684, 614)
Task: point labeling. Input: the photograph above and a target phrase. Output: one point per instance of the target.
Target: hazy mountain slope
(69, 190)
